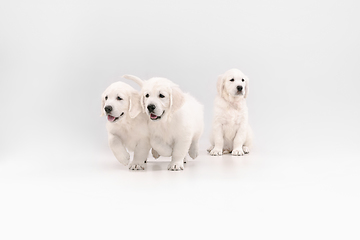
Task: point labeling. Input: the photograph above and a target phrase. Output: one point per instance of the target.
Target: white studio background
(57, 174)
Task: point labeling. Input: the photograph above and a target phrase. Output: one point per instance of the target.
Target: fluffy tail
(134, 78)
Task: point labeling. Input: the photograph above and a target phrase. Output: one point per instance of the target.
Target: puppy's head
(120, 100)
(233, 84)
(160, 98)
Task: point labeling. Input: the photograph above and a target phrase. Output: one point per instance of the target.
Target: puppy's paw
(237, 152)
(210, 149)
(216, 152)
(176, 166)
(193, 153)
(137, 166)
(246, 149)
(155, 153)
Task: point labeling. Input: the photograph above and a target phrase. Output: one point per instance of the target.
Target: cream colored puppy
(126, 125)
(175, 119)
(231, 132)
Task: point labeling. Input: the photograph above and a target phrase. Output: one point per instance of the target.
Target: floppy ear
(246, 88)
(177, 99)
(220, 84)
(134, 105)
(102, 105)
(142, 103)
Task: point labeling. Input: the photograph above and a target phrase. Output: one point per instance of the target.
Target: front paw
(237, 152)
(124, 158)
(176, 166)
(137, 166)
(216, 152)
(246, 149)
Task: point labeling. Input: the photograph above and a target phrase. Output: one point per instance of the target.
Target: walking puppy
(231, 132)
(126, 125)
(175, 119)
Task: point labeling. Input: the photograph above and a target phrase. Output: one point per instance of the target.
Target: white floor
(267, 195)
(59, 179)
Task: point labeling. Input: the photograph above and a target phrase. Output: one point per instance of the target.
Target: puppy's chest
(232, 117)
(126, 134)
(161, 137)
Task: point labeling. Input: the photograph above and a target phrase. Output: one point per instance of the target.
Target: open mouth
(155, 117)
(113, 119)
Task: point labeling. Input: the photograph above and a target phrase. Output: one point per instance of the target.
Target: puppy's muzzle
(151, 108)
(108, 109)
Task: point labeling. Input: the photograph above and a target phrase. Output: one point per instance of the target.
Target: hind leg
(194, 148)
(248, 141)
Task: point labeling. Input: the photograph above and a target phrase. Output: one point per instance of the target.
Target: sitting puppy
(126, 125)
(231, 132)
(175, 119)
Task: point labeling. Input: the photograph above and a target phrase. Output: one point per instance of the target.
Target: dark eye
(106, 97)
(231, 80)
(147, 95)
(161, 96)
(243, 80)
(119, 98)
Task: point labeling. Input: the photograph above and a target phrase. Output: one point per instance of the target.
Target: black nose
(108, 109)
(239, 88)
(151, 107)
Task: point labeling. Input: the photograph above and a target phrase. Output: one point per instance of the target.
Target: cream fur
(181, 122)
(231, 132)
(130, 131)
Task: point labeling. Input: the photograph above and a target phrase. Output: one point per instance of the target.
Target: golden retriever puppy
(231, 132)
(175, 119)
(126, 125)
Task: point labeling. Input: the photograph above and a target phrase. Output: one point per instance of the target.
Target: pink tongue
(153, 116)
(111, 118)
